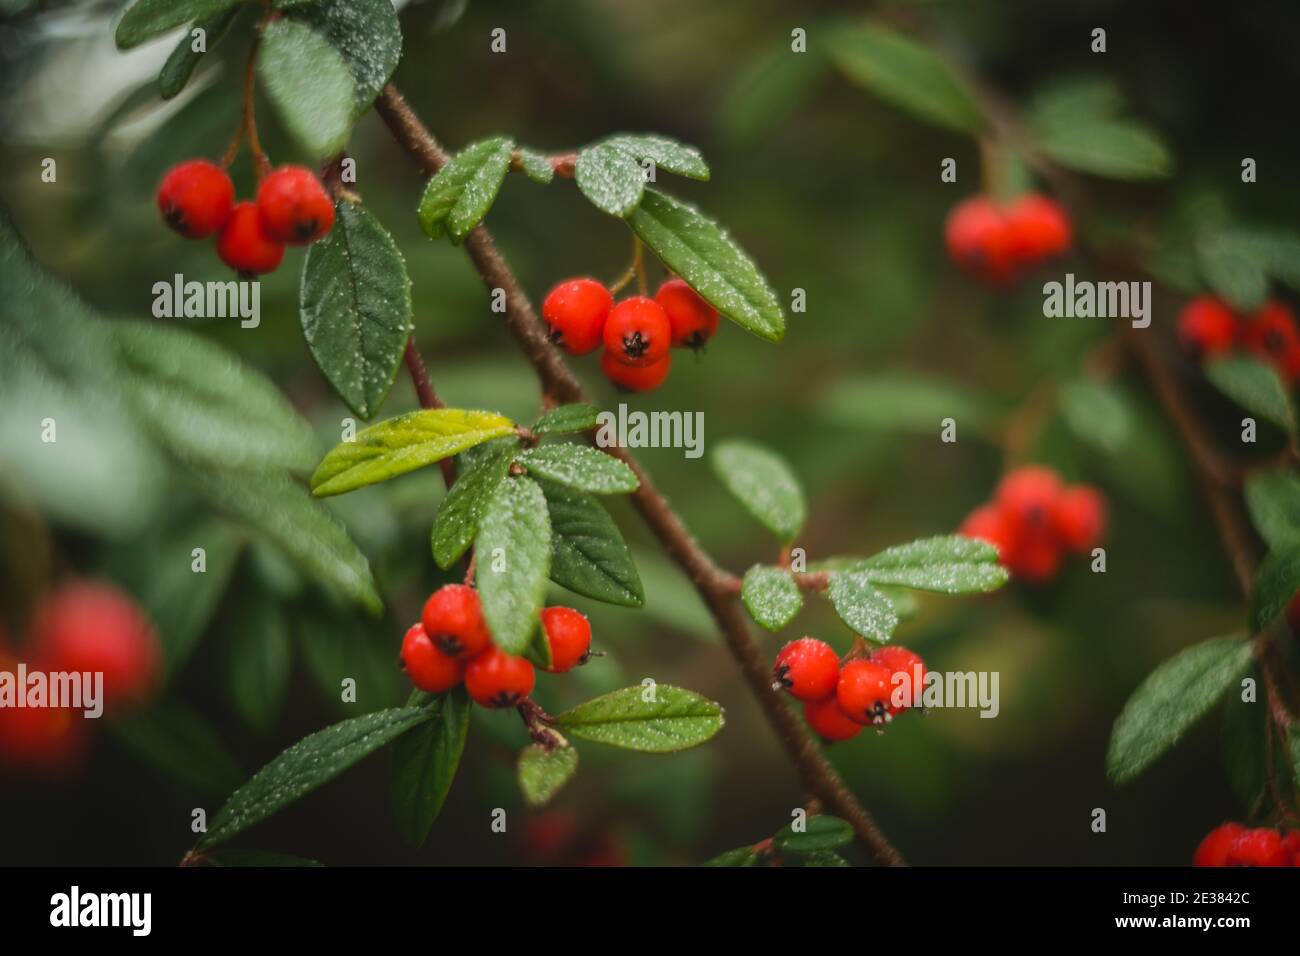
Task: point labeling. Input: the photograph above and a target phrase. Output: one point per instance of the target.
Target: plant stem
(714, 584)
(428, 398)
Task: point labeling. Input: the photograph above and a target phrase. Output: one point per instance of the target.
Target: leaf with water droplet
(513, 558)
(610, 178)
(948, 564)
(863, 608)
(461, 193)
(658, 719)
(366, 34)
(308, 83)
(588, 554)
(764, 483)
(543, 772)
(581, 468)
(771, 596)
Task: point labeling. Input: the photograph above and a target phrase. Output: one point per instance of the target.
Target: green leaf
(355, 305)
(666, 153)
(610, 179)
(514, 535)
(402, 444)
(741, 856)
(182, 745)
(1098, 414)
(1246, 747)
(588, 555)
(178, 69)
(1273, 499)
(1172, 698)
(762, 482)
(543, 772)
(1276, 583)
(581, 468)
(535, 166)
(467, 501)
(903, 72)
(820, 833)
(1255, 386)
(313, 761)
(205, 405)
(824, 858)
(462, 192)
(948, 564)
(308, 83)
(425, 761)
(146, 19)
(902, 401)
(284, 513)
(862, 607)
(699, 251)
(673, 719)
(1074, 101)
(1234, 267)
(771, 596)
(764, 94)
(565, 419)
(366, 34)
(257, 653)
(335, 647)
(1115, 149)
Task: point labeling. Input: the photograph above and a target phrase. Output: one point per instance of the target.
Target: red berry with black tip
(294, 206)
(911, 684)
(426, 665)
(635, 378)
(575, 311)
(638, 332)
(1080, 518)
(693, 320)
(453, 619)
(244, 245)
(864, 691)
(829, 722)
(196, 198)
(496, 679)
(1207, 327)
(569, 635)
(807, 668)
(1271, 334)
(979, 239)
(1027, 498)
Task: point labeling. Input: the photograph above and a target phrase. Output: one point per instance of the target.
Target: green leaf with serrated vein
(820, 833)
(741, 856)
(1273, 499)
(514, 558)
(314, 760)
(578, 417)
(610, 179)
(762, 482)
(204, 404)
(543, 772)
(771, 596)
(425, 761)
(698, 250)
(949, 564)
(1172, 698)
(861, 606)
(580, 467)
(403, 444)
(146, 19)
(1255, 386)
(1276, 583)
(308, 83)
(368, 37)
(666, 153)
(536, 166)
(1113, 148)
(674, 720)
(355, 306)
(467, 501)
(588, 555)
(178, 69)
(461, 193)
(821, 858)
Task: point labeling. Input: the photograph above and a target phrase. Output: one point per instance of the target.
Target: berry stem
(261, 162)
(539, 722)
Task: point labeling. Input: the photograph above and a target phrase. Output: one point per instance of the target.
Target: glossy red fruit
(90, 626)
(631, 378)
(569, 635)
(906, 676)
(1271, 334)
(196, 198)
(693, 320)
(638, 332)
(1039, 227)
(1213, 850)
(1027, 498)
(807, 668)
(1207, 327)
(453, 619)
(497, 679)
(1035, 555)
(863, 692)
(989, 524)
(1291, 843)
(428, 667)
(244, 246)
(1080, 518)
(980, 241)
(1259, 847)
(829, 722)
(576, 311)
(294, 207)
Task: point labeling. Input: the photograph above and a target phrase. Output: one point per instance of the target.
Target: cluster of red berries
(452, 644)
(82, 627)
(998, 244)
(840, 699)
(1209, 327)
(1235, 845)
(636, 333)
(1035, 519)
(197, 199)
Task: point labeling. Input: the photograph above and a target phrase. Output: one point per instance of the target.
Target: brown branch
(715, 585)
(428, 399)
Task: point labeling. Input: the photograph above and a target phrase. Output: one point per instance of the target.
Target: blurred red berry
(638, 332)
(497, 679)
(426, 665)
(827, 719)
(294, 207)
(244, 245)
(989, 524)
(196, 198)
(453, 619)
(1035, 556)
(1207, 327)
(693, 320)
(576, 310)
(1027, 498)
(1259, 847)
(569, 635)
(980, 241)
(1040, 228)
(1271, 335)
(1080, 518)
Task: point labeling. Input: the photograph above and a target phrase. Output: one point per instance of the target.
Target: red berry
(911, 685)
(1080, 518)
(497, 679)
(1027, 498)
(294, 207)
(638, 332)
(979, 239)
(632, 378)
(196, 198)
(1213, 850)
(1271, 334)
(428, 667)
(1035, 555)
(576, 311)
(1207, 327)
(453, 619)
(1039, 228)
(807, 668)
(1291, 843)
(88, 626)
(1260, 847)
(569, 634)
(693, 320)
(44, 740)
(989, 524)
(864, 692)
(243, 245)
(826, 718)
